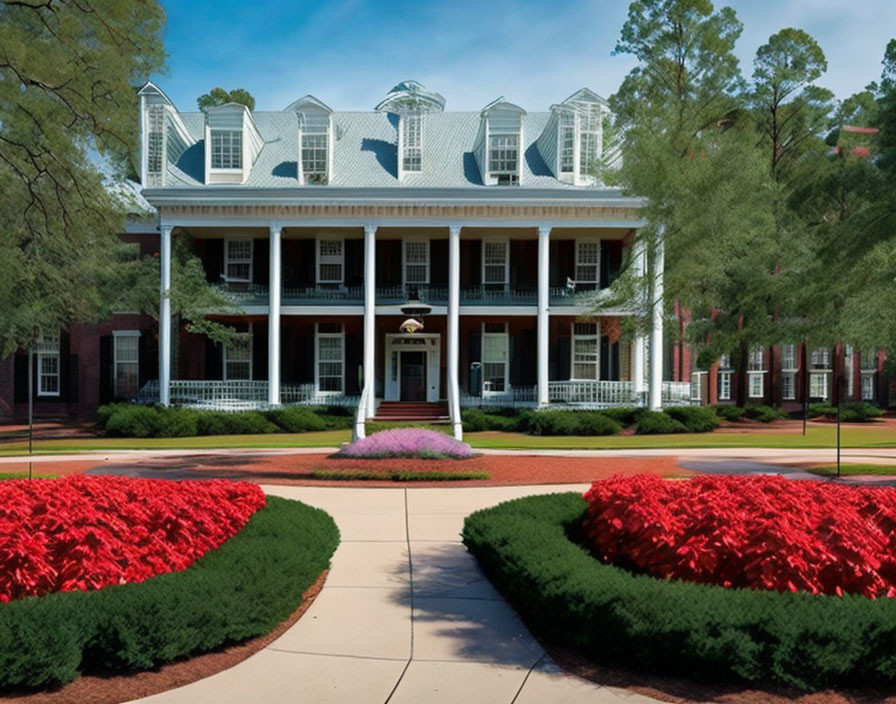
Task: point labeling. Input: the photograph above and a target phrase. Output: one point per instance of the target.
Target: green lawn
(853, 470)
(817, 436)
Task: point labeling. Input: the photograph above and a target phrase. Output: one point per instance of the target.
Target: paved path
(405, 616)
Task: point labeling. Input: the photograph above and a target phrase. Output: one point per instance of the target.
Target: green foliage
(765, 414)
(67, 81)
(296, 419)
(658, 423)
(729, 412)
(239, 591)
(397, 475)
(706, 632)
(245, 423)
(219, 96)
(697, 419)
(475, 420)
(849, 412)
(572, 423)
(624, 415)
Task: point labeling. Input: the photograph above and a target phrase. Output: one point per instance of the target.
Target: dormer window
(316, 149)
(589, 139)
(227, 149)
(503, 158)
(155, 144)
(412, 147)
(572, 141)
(567, 142)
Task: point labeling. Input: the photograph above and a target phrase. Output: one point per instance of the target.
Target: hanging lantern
(410, 325)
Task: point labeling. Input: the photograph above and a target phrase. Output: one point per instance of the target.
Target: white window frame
(724, 382)
(584, 336)
(117, 363)
(330, 335)
(47, 348)
(155, 144)
(697, 385)
(849, 370)
(790, 365)
(590, 128)
(487, 391)
(820, 359)
(412, 143)
(231, 148)
(579, 263)
(404, 262)
(821, 379)
(505, 281)
(230, 259)
(329, 259)
(225, 362)
(504, 157)
(756, 373)
(566, 142)
(868, 386)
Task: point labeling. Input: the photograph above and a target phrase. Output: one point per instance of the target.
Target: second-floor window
(47, 349)
(412, 156)
(416, 261)
(585, 351)
(789, 368)
(821, 358)
(238, 357)
(330, 261)
(503, 158)
(238, 260)
(495, 264)
(588, 263)
(724, 378)
(227, 149)
(756, 373)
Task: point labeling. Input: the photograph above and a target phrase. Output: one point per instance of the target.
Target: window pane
(415, 252)
(227, 149)
(567, 140)
(503, 154)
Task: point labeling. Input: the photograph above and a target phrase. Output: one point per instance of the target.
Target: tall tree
(219, 96)
(67, 77)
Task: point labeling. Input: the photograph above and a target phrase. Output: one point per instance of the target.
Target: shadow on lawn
(223, 466)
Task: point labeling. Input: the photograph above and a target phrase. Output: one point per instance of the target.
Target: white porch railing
(239, 395)
(516, 397)
(677, 393)
(594, 394)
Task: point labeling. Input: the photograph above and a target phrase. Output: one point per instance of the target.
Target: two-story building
(405, 254)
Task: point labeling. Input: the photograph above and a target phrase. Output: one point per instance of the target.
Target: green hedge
(696, 419)
(138, 421)
(728, 412)
(572, 423)
(658, 423)
(239, 591)
(765, 414)
(849, 412)
(609, 614)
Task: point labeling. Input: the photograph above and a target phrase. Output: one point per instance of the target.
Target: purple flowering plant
(415, 443)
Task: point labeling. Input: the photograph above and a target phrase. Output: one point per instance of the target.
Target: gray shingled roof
(365, 152)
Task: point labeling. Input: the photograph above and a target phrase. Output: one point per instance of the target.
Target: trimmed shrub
(296, 419)
(475, 420)
(728, 412)
(572, 423)
(708, 632)
(624, 415)
(765, 414)
(239, 591)
(658, 423)
(849, 412)
(246, 423)
(131, 420)
(697, 419)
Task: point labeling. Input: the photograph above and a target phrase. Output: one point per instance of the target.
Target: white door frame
(431, 344)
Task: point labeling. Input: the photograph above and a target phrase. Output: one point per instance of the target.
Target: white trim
(697, 378)
(317, 259)
(404, 261)
(224, 361)
(483, 361)
(49, 347)
(318, 336)
(751, 376)
(432, 346)
(572, 350)
(505, 284)
(788, 395)
(117, 335)
(228, 260)
(726, 376)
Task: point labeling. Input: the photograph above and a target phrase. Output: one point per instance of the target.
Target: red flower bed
(762, 532)
(89, 532)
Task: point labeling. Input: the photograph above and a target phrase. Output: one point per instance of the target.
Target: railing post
(274, 318)
(165, 316)
(544, 250)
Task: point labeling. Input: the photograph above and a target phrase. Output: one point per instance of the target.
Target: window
(788, 358)
(788, 386)
(495, 264)
(238, 357)
(47, 349)
(412, 156)
(724, 386)
(585, 351)
(849, 363)
(314, 159)
(330, 358)
(756, 373)
(818, 385)
(330, 261)
(756, 360)
(697, 386)
(416, 261)
(126, 362)
(589, 135)
(567, 141)
(227, 149)
(725, 361)
(495, 357)
(789, 368)
(238, 260)
(155, 144)
(821, 358)
(587, 263)
(867, 386)
(503, 158)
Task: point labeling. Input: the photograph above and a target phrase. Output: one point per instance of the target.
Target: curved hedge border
(680, 628)
(241, 590)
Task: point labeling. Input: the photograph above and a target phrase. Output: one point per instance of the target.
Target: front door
(413, 376)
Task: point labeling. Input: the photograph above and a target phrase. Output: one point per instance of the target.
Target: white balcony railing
(239, 395)
(594, 394)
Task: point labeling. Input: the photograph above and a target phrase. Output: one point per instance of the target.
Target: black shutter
(64, 367)
(561, 359)
(529, 358)
(554, 263)
(260, 351)
(20, 378)
(610, 261)
(353, 351)
(72, 389)
(261, 261)
(609, 360)
(106, 370)
(524, 265)
(213, 260)
(470, 263)
(214, 363)
(305, 269)
(388, 262)
(475, 348)
(566, 261)
(438, 262)
(354, 262)
(305, 360)
(144, 357)
(514, 360)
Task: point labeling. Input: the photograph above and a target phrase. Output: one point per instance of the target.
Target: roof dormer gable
(411, 102)
(499, 143)
(315, 140)
(572, 143)
(232, 143)
(163, 135)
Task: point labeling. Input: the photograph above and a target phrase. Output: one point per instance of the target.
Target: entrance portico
(413, 362)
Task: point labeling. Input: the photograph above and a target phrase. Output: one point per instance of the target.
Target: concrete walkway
(405, 616)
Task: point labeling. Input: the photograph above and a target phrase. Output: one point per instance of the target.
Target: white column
(639, 263)
(544, 249)
(656, 332)
(165, 316)
(454, 329)
(274, 318)
(370, 315)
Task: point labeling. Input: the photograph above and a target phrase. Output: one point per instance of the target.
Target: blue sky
(349, 53)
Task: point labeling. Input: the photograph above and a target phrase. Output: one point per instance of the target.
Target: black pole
(804, 354)
(30, 407)
(838, 437)
(838, 376)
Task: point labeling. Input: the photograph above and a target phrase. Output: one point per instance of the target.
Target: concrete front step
(410, 419)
